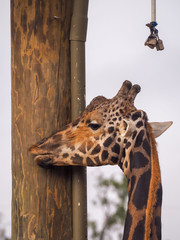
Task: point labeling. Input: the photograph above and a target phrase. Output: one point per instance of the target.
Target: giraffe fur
(114, 132)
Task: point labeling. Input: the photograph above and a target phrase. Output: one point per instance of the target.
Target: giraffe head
(113, 131)
(101, 135)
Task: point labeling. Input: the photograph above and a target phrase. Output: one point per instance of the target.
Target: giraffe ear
(126, 128)
(160, 127)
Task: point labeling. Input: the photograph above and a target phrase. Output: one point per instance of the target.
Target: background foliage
(111, 198)
(2, 229)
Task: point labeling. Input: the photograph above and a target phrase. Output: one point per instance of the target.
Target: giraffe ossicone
(114, 132)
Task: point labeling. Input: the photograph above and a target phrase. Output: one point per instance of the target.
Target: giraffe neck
(143, 220)
(153, 211)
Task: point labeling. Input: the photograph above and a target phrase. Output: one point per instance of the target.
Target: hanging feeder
(153, 40)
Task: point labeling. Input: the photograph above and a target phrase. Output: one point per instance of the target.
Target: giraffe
(114, 132)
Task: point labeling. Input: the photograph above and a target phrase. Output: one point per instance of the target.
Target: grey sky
(115, 52)
(5, 113)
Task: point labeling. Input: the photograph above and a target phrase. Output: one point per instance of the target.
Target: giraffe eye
(94, 126)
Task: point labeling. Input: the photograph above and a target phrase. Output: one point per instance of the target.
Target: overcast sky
(5, 113)
(116, 52)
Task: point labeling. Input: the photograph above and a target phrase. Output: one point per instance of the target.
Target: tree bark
(40, 65)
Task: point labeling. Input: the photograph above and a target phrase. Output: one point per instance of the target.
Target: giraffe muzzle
(45, 160)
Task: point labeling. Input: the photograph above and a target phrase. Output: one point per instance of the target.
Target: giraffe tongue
(45, 161)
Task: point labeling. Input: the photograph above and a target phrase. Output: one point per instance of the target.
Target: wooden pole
(40, 58)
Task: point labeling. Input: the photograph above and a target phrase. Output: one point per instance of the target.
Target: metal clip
(153, 39)
(159, 45)
(151, 42)
(57, 17)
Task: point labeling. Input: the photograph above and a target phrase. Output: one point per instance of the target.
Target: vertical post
(40, 66)
(78, 38)
(153, 10)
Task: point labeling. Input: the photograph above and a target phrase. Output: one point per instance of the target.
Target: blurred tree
(2, 230)
(112, 200)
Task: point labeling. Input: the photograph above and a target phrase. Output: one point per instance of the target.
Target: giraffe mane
(154, 184)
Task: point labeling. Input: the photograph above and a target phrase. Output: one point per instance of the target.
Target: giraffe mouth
(44, 160)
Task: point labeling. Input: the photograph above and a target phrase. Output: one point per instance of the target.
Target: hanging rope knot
(153, 39)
